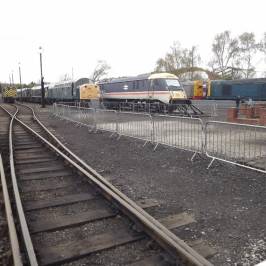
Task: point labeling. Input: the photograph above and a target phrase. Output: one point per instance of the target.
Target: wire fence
(243, 145)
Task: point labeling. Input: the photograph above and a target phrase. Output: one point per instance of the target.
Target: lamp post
(19, 70)
(42, 84)
(12, 77)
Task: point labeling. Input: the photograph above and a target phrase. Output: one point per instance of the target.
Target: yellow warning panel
(89, 92)
(10, 92)
(198, 88)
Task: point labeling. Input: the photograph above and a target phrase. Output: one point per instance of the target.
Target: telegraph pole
(42, 84)
(19, 70)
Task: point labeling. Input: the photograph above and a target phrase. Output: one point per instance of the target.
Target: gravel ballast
(228, 202)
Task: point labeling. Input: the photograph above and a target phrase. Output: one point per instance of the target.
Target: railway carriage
(75, 90)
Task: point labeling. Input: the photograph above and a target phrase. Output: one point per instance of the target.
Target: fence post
(54, 111)
(116, 122)
(152, 129)
(204, 138)
(94, 119)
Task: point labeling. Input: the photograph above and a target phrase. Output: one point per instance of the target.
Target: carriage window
(135, 85)
(156, 84)
(141, 84)
(147, 84)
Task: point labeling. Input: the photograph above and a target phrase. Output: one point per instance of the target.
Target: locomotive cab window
(166, 84)
(173, 84)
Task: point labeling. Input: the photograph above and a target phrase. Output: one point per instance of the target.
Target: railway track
(68, 213)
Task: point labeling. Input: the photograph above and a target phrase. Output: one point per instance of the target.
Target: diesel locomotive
(158, 91)
(159, 87)
(9, 94)
(226, 89)
(244, 88)
(196, 89)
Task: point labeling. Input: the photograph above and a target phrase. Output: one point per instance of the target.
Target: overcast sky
(129, 35)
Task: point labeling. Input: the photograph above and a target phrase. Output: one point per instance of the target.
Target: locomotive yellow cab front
(175, 95)
(89, 92)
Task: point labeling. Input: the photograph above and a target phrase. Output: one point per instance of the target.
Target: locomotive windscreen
(167, 84)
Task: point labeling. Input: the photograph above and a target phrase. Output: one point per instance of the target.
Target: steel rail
(169, 241)
(22, 219)
(17, 261)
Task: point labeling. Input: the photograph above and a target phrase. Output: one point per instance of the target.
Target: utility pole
(42, 84)
(19, 70)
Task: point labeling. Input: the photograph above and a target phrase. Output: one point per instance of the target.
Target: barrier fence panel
(180, 132)
(106, 120)
(80, 115)
(86, 116)
(136, 125)
(59, 110)
(240, 144)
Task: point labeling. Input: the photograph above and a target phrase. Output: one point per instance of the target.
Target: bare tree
(225, 50)
(172, 60)
(247, 49)
(191, 59)
(262, 45)
(100, 71)
(179, 58)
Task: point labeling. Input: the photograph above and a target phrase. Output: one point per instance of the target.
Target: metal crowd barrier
(86, 116)
(105, 120)
(135, 125)
(239, 144)
(181, 132)
(243, 145)
(80, 115)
